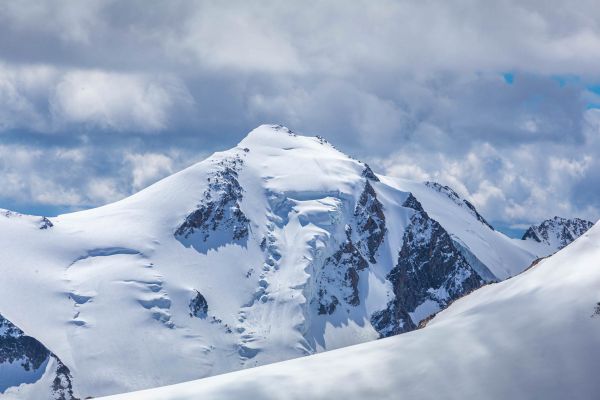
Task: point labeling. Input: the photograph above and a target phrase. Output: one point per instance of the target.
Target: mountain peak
(283, 231)
(265, 134)
(557, 231)
(281, 137)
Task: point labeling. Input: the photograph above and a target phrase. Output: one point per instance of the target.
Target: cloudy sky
(500, 100)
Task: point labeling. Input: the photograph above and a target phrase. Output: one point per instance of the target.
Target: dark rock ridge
(557, 230)
(17, 347)
(369, 174)
(370, 222)
(430, 269)
(412, 202)
(62, 385)
(452, 195)
(220, 207)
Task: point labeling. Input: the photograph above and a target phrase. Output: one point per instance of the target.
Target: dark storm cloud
(129, 92)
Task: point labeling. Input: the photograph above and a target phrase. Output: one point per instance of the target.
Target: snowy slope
(533, 336)
(278, 248)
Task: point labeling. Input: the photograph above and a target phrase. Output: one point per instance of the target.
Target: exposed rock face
(17, 347)
(558, 232)
(62, 385)
(370, 222)
(45, 223)
(369, 174)
(430, 273)
(412, 202)
(452, 195)
(340, 277)
(219, 209)
(393, 320)
(198, 306)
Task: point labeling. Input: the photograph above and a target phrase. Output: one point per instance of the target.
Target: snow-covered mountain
(536, 336)
(278, 248)
(557, 232)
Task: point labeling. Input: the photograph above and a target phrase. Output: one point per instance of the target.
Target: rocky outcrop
(412, 202)
(15, 346)
(369, 174)
(430, 273)
(219, 209)
(31, 355)
(558, 232)
(370, 222)
(45, 223)
(198, 306)
(62, 385)
(394, 320)
(340, 277)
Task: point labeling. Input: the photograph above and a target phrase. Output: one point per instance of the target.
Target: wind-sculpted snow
(105, 252)
(278, 248)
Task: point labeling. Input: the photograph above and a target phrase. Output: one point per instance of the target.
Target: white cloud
(416, 87)
(72, 22)
(523, 183)
(103, 190)
(65, 177)
(50, 99)
(116, 101)
(20, 90)
(147, 168)
(34, 176)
